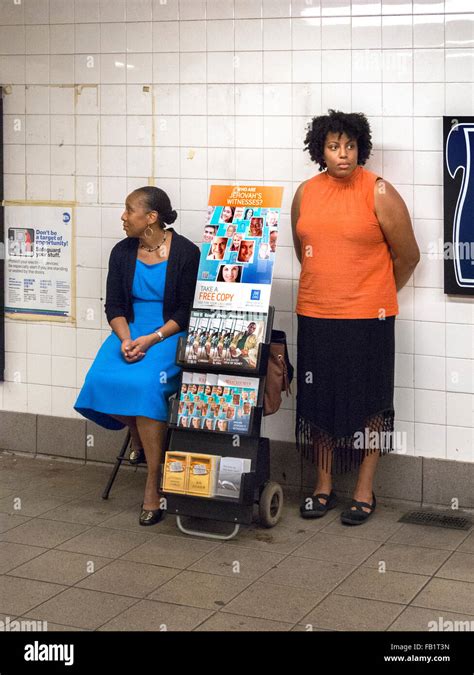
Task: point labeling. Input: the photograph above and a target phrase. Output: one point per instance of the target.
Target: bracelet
(160, 335)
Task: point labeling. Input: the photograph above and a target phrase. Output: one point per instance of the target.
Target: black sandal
(311, 507)
(137, 456)
(358, 516)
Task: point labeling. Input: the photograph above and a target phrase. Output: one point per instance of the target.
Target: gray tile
(61, 436)
(334, 548)
(467, 545)
(444, 480)
(279, 539)
(369, 583)
(82, 608)
(17, 596)
(238, 623)
(195, 589)
(446, 594)
(307, 573)
(346, 613)
(270, 601)
(10, 521)
(61, 567)
(427, 535)
(459, 566)
(128, 520)
(12, 555)
(419, 619)
(90, 511)
(128, 578)
(170, 551)
(42, 532)
(18, 431)
(236, 562)
(403, 558)
(31, 504)
(148, 615)
(104, 542)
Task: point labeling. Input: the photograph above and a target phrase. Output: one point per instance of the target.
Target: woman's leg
(152, 433)
(323, 469)
(364, 486)
(132, 424)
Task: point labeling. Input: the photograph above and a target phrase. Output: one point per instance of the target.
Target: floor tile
(428, 535)
(459, 566)
(19, 595)
(149, 615)
(235, 623)
(42, 532)
(105, 542)
(420, 619)
(237, 562)
(128, 578)
(412, 559)
(170, 551)
(314, 575)
(335, 548)
(195, 589)
(270, 601)
(61, 567)
(369, 583)
(12, 555)
(346, 613)
(82, 608)
(446, 594)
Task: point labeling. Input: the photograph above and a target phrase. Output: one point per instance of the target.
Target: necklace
(154, 248)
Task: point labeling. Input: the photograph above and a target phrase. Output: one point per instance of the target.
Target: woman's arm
(295, 214)
(395, 223)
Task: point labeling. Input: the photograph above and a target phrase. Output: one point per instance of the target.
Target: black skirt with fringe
(345, 380)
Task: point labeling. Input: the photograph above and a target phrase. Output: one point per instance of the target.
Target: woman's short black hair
(156, 199)
(355, 125)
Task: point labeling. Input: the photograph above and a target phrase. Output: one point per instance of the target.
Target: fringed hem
(345, 452)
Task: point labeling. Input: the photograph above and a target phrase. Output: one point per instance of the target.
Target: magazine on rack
(225, 338)
(216, 402)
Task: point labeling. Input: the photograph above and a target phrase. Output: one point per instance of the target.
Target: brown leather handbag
(279, 373)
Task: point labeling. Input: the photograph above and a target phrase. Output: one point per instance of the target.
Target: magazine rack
(256, 487)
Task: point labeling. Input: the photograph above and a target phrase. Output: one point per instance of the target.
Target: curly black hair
(355, 125)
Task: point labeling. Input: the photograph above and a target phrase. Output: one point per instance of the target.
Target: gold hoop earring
(151, 229)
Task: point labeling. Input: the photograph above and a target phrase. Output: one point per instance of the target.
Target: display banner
(458, 248)
(38, 264)
(238, 248)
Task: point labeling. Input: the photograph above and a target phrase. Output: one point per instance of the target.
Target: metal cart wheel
(271, 504)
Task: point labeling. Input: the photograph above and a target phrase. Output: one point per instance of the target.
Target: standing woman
(150, 289)
(354, 239)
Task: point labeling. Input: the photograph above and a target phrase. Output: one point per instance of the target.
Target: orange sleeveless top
(346, 265)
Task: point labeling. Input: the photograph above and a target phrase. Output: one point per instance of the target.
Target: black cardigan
(181, 276)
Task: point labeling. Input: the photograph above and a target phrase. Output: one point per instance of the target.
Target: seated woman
(150, 289)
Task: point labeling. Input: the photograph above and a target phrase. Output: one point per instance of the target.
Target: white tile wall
(106, 95)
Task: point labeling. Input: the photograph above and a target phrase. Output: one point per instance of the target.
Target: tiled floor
(78, 562)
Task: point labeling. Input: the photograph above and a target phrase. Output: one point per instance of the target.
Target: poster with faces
(239, 244)
(221, 403)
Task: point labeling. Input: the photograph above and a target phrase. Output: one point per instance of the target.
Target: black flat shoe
(358, 516)
(311, 507)
(151, 516)
(137, 456)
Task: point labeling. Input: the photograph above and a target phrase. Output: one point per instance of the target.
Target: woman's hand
(135, 350)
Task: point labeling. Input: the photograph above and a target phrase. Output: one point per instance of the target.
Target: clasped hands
(135, 350)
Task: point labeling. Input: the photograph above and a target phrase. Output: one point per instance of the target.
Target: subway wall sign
(458, 181)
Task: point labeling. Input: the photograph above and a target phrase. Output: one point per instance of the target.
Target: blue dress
(113, 386)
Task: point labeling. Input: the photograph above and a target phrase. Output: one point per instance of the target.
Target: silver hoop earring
(151, 231)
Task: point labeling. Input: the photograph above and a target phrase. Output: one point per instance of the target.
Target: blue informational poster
(458, 249)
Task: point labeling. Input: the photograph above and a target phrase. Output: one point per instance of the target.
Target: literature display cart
(216, 464)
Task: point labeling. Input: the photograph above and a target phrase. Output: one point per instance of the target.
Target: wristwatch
(160, 335)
